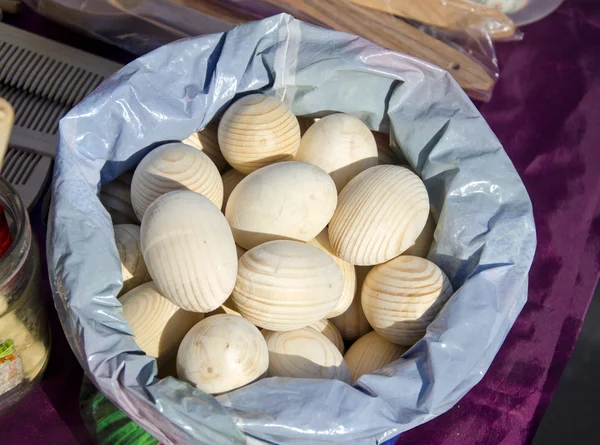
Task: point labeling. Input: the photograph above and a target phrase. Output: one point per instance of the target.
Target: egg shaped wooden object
(173, 167)
(322, 242)
(380, 214)
(133, 267)
(423, 242)
(290, 200)
(370, 353)
(286, 285)
(189, 250)
(258, 130)
(207, 141)
(305, 353)
(352, 323)
(341, 145)
(116, 198)
(402, 297)
(231, 178)
(222, 353)
(328, 329)
(158, 325)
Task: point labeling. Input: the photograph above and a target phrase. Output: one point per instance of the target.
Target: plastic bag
(465, 29)
(484, 241)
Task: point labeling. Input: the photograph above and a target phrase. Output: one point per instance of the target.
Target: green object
(6, 348)
(107, 424)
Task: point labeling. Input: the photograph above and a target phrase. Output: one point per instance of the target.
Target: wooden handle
(7, 116)
(453, 14)
(395, 34)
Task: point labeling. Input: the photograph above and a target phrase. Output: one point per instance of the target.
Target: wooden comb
(388, 31)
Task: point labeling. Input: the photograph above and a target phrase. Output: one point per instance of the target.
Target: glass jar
(24, 333)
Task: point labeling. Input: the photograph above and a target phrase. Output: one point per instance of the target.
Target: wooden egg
(158, 325)
(341, 145)
(353, 324)
(423, 242)
(207, 141)
(305, 353)
(189, 250)
(402, 297)
(328, 329)
(231, 178)
(222, 353)
(239, 251)
(380, 214)
(290, 200)
(133, 266)
(305, 123)
(370, 353)
(258, 130)
(228, 307)
(322, 242)
(174, 167)
(286, 285)
(116, 198)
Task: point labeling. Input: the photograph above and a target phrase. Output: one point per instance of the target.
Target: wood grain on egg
(402, 297)
(322, 242)
(370, 353)
(352, 323)
(328, 329)
(116, 198)
(222, 353)
(173, 167)
(207, 141)
(341, 145)
(189, 250)
(380, 214)
(231, 179)
(289, 200)
(158, 325)
(423, 242)
(258, 130)
(133, 267)
(304, 353)
(286, 285)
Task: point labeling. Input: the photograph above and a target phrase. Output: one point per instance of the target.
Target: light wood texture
(258, 130)
(423, 242)
(402, 297)
(328, 329)
(158, 325)
(456, 15)
(189, 250)
(116, 198)
(7, 116)
(353, 324)
(286, 285)
(133, 266)
(370, 353)
(207, 141)
(390, 32)
(322, 242)
(341, 145)
(240, 251)
(222, 353)
(290, 200)
(231, 179)
(305, 353)
(174, 167)
(380, 214)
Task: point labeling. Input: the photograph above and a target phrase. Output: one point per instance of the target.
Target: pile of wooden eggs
(274, 267)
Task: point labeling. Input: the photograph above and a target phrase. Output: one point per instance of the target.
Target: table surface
(545, 112)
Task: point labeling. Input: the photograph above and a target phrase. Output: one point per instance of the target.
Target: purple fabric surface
(545, 111)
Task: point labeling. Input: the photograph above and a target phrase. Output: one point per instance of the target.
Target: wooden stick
(7, 116)
(451, 14)
(393, 33)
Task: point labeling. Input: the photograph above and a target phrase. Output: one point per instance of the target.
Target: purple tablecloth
(546, 112)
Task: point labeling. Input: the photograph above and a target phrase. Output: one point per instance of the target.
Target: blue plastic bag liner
(484, 241)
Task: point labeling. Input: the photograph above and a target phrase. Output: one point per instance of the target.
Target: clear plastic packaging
(534, 10)
(463, 31)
